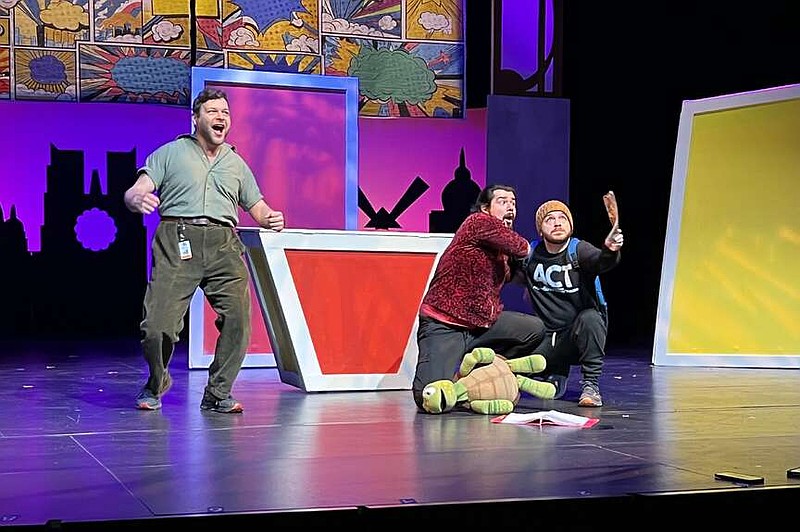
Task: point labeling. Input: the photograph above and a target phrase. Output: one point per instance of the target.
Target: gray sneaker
(229, 405)
(590, 395)
(147, 400)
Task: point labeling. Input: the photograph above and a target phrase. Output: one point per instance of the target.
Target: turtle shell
(492, 381)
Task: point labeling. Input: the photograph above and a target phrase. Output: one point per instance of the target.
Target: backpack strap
(600, 297)
(572, 254)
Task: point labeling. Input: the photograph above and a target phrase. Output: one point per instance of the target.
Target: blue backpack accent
(572, 255)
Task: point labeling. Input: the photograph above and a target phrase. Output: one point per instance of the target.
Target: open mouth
(219, 128)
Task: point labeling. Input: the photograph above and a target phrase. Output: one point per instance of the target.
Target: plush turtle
(487, 383)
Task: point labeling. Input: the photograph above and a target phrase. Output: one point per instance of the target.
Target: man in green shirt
(196, 183)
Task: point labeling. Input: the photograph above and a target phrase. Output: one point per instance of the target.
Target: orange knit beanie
(549, 206)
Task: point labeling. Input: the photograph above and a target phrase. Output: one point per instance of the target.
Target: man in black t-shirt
(563, 294)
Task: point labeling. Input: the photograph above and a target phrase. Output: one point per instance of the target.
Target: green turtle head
(439, 397)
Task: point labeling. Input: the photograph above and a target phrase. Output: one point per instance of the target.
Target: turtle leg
(479, 355)
(529, 364)
(540, 389)
(492, 406)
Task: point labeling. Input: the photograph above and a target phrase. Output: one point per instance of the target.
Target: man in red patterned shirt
(462, 308)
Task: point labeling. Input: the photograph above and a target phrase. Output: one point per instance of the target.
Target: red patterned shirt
(465, 289)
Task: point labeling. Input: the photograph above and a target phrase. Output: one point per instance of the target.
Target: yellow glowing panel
(730, 288)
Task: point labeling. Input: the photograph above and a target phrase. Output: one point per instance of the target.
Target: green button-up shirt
(190, 186)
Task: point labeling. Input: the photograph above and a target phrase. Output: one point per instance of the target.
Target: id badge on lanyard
(184, 246)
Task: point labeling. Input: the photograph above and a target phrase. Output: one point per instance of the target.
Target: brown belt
(200, 220)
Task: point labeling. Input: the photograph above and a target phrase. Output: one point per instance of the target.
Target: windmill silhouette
(382, 219)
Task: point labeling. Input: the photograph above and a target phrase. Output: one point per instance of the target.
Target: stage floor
(74, 452)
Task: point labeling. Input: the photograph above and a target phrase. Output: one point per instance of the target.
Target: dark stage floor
(76, 455)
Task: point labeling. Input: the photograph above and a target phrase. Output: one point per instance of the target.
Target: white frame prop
(203, 76)
(731, 358)
(295, 353)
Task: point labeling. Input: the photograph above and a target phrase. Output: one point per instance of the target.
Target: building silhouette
(15, 272)
(458, 197)
(89, 277)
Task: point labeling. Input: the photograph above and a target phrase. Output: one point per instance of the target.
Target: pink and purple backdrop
(392, 152)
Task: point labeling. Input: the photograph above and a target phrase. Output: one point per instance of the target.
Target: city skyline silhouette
(93, 253)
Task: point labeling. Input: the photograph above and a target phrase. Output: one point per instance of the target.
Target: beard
(556, 240)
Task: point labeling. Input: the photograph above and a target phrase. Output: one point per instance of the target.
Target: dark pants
(442, 346)
(582, 344)
(217, 267)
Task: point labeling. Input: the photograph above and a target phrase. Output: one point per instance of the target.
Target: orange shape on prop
(360, 306)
